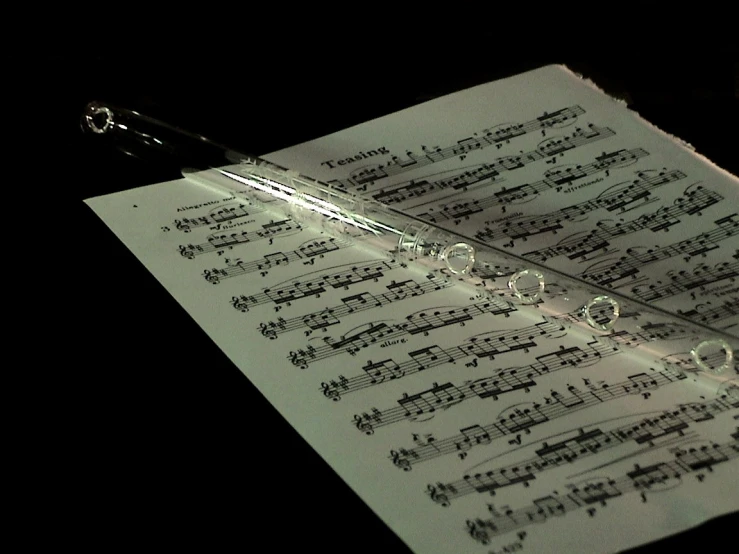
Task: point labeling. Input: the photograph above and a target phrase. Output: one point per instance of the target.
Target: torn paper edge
(675, 139)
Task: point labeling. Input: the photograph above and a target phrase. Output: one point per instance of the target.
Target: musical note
(309, 250)
(715, 314)
(185, 224)
(305, 288)
(532, 414)
(490, 345)
(427, 402)
(627, 267)
(220, 215)
(600, 491)
(397, 166)
(420, 323)
(415, 189)
(581, 445)
(681, 281)
(581, 245)
(554, 180)
(621, 198)
(357, 340)
(226, 241)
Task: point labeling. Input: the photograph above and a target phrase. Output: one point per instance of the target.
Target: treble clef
(297, 359)
(402, 463)
(270, 333)
(187, 252)
(182, 226)
(477, 532)
(438, 497)
(212, 279)
(363, 425)
(330, 392)
(239, 304)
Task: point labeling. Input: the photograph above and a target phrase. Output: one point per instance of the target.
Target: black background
(157, 437)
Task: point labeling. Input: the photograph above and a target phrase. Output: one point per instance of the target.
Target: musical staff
(629, 266)
(221, 215)
(321, 320)
(620, 198)
(581, 245)
(502, 382)
(489, 137)
(522, 419)
(510, 380)
(307, 252)
(584, 444)
(483, 175)
(225, 241)
(599, 491)
(708, 316)
(417, 189)
(488, 346)
(306, 288)
(683, 281)
(419, 323)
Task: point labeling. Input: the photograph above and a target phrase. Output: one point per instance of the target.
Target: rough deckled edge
(676, 140)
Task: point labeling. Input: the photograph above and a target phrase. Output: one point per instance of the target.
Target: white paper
(561, 174)
(373, 362)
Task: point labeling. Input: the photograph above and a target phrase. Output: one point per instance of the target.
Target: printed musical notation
(629, 266)
(599, 491)
(580, 246)
(584, 443)
(683, 281)
(426, 403)
(495, 136)
(556, 179)
(222, 242)
(707, 314)
(328, 317)
(218, 216)
(585, 196)
(504, 381)
(423, 323)
(547, 149)
(307, 253)
(488, 346)
(620, 199)
(421, 389)
(286, 294)
(521, 419)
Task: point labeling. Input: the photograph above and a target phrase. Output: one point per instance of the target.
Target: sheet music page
(467, 423)
(545, 165)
